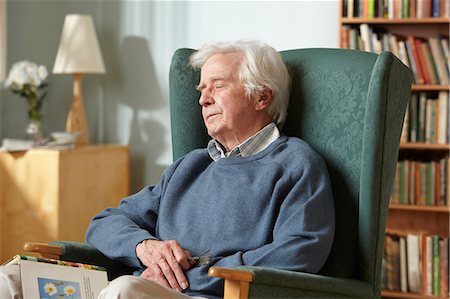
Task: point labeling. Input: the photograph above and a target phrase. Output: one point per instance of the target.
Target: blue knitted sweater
(272, 209)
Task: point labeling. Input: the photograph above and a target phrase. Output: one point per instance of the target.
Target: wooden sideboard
(48, 195)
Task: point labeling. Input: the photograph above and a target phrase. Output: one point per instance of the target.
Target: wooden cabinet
(48, 195)
(394, 27)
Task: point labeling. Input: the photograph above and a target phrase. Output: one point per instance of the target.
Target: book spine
(436, 267)
(443, 244)
(61, 263)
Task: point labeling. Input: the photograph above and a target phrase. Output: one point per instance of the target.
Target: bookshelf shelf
(392, 294)
(424, 146)
(431, 209)
(397, 21)
(430, 87)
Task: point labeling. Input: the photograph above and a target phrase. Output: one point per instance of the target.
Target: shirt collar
(251, 146)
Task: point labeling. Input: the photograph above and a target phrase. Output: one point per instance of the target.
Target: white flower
(25, 72)
(50, 289)
(69, 290)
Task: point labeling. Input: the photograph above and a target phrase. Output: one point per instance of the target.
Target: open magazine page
(46, 278)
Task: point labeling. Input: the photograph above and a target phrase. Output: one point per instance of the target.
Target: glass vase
(34, 130)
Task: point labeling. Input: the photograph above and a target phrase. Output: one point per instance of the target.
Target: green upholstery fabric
(349, 106)
(84, 253)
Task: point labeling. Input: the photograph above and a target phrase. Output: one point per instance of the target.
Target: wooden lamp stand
(76, 119)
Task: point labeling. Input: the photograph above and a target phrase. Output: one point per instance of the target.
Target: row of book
(416, 263)
(427, 119)
(422, 183)
(428, 58)
(392, 9)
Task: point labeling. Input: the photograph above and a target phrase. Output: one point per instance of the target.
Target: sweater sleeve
(117, 231)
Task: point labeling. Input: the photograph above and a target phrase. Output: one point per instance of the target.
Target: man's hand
(166, 262)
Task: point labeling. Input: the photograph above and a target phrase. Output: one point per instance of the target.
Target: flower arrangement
(27, 79)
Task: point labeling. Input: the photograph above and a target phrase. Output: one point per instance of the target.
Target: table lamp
(78, 54)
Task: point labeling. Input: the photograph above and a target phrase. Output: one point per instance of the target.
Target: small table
(48, 195)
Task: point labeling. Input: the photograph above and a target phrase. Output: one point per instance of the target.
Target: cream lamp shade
(78, 54)
(79, 51)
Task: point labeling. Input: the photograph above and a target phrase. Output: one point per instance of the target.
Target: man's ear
(264, 99)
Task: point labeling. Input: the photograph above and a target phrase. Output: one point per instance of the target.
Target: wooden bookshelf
(431, 209)
(392, 294)
(424, 146)
(429, 87)
(404, 219)
(396, 21)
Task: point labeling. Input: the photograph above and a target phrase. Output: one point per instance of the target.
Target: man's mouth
(211, 115)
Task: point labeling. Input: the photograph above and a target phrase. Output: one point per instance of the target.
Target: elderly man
(252, 197)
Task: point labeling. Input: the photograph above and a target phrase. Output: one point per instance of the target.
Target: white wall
(130, 104)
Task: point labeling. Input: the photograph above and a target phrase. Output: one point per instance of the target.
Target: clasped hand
(166, 262)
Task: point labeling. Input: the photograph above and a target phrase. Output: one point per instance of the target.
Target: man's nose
(206, 98)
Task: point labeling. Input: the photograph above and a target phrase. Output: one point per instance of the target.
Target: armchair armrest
(236, 281)
(80, 253)
(274, 283)
(44, 249)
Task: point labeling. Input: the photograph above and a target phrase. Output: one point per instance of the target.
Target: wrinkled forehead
(223, 65)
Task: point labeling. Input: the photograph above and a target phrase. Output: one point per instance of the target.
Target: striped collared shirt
(251, 146)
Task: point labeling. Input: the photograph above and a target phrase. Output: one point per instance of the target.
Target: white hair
(261, 67)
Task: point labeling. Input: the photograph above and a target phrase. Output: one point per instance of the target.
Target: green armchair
(349, 106)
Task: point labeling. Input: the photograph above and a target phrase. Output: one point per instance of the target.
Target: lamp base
(76, 119)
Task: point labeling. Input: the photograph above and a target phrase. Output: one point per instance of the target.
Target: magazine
(49, 278)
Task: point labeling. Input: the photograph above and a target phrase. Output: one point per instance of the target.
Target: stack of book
(427, 119)
(428, 58)
(422, 183)
(396, 8)
(416, 263)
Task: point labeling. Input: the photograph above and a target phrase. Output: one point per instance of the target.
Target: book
(435, 9)
(427, 265)
(413, 121)
(443, 168)
(439, 60)
(403, 54)
(443, 244)
(429, 63)
(411, 41)
(412, 9)
(412, 183)
(395, 195)
(429, 121)
(413, 61)
(421, 117)
(403, 266)
(14, 145)
(49, 278)
(445, 49)
(423, 8)
(421, 60)
(350, 9)
(366, 37)
(403, 189)
(436, 280)
(413, 258)
(392, 252)
(443, 98)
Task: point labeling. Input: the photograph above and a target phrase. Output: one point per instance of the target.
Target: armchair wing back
(349, 106)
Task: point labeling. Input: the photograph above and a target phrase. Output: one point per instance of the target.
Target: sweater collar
(251, 146)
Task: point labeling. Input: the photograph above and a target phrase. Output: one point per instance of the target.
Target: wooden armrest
(236, 281)
(44, 249)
